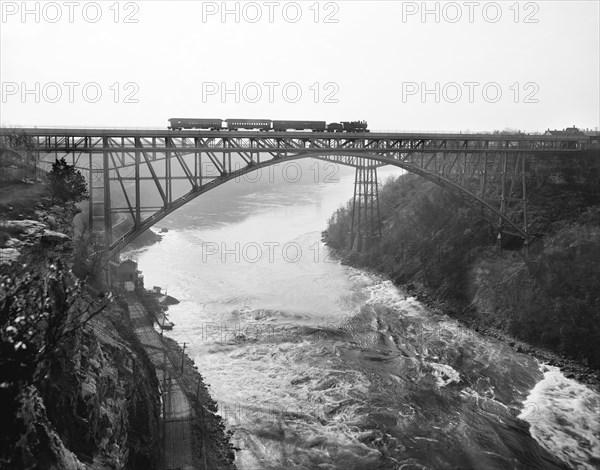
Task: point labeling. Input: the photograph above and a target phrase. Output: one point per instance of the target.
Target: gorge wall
(77, 390)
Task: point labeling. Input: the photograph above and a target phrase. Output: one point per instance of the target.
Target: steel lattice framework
(486, 171)
(365, 229)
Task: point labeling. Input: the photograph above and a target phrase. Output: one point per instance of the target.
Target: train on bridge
(266, 125)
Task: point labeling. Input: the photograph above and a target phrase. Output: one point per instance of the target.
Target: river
(319, 365)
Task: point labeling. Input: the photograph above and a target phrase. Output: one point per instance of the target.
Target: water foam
(444, 374)
(558, 410)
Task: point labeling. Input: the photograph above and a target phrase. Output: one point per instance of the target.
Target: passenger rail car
(249, 124)
(315, 126)
(211, 124)
(266, 125)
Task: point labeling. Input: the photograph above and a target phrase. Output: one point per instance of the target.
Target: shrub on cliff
(88, 253)
(66, 183)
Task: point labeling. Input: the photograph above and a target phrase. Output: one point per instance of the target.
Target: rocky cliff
(76, 389)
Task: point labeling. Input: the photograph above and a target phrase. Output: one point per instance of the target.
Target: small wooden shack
(128, 275)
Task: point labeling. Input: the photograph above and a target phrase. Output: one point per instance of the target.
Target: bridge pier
(512, 190)
(365, 230)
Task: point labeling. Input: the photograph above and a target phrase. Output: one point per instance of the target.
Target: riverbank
(211, 445)
(569, 367)
(210, 439)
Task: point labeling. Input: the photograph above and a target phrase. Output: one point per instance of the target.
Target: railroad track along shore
(176, 414)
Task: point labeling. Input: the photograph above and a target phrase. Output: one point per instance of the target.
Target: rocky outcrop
(9, 256)
(28, 235)
(97, 408)
(26, 228)
(39, 439)
(50, 236)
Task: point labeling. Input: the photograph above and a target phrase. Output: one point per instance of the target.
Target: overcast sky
(398, 65)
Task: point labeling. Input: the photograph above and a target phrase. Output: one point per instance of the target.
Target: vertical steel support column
(230, 170)
(107, 205)
(224, 156)
(484, 176)
(515, 175)
(91, 195)
(377, 220)
(168, 170)
(355, 223)
(73, 151)
(36, 160)
(107, 213)
(502, 196)
(200, 180)
(138, 203)
(227, 156)
(525, 221)
(197, 180)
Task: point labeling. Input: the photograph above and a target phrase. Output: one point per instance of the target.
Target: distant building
(568, 131)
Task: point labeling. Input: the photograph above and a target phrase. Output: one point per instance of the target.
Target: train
(265, 125)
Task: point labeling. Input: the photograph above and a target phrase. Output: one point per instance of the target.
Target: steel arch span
(124, 166)
(468, 196)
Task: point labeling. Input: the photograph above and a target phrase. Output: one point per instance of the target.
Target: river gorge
(319, 365)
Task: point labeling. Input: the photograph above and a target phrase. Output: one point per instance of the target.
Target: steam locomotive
(266, 125)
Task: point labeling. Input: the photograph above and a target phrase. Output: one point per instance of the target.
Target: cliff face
(102, 397)
(97, 408)
(91, 400)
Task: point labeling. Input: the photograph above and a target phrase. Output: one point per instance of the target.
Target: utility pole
(164, 407)
(203, 428)
(182, 356)
(197, 394)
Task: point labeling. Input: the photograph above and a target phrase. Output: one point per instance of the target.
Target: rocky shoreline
(569, 367)
(210, 438)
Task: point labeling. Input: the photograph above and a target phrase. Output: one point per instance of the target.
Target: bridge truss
(144, 175)
(365, 229)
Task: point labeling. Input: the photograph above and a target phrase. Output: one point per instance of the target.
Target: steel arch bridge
(487, 171)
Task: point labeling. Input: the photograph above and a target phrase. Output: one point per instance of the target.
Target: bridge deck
(142, 132)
